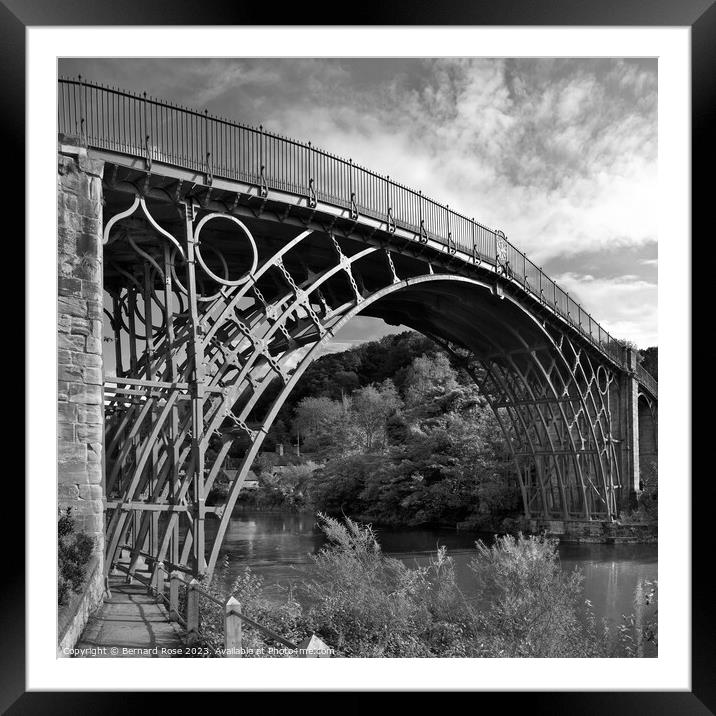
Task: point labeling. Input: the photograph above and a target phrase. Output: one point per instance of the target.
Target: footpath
(130, 624)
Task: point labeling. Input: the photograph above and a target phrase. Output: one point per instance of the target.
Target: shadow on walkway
(130, 624)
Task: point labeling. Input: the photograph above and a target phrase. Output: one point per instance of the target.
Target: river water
(277, 546)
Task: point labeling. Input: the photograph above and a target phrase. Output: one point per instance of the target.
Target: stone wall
(593, 531)
(73, 618)
(80, 410)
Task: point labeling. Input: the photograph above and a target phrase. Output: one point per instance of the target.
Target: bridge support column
(80, 403)
(195, 351)
(629, 423)
(79, 336)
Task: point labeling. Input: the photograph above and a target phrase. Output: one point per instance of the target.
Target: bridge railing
(647, 380)
(162, 581)
(141, 126)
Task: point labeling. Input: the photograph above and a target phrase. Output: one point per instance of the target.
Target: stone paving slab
(130, 624)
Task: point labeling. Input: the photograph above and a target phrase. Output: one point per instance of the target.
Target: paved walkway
(130, 624)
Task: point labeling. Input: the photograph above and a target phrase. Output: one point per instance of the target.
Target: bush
(74, 550)
(367, 604)
(527, 606)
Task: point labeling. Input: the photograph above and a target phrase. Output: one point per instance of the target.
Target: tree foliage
(414, 443)
(649, 359)
(323, 425)
(371, 408)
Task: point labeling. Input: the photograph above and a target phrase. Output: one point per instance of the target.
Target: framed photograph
(353, 334)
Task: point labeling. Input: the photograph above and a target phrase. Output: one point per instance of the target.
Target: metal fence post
(147, 135)
(262, 168)
(174, 582)
(389, 220)
(354, 208)
(192, 611)
(232, 628)
(209, 172)
(423, 230)
(312, 200)
(158, 581)
(449, 233)
(83, 113)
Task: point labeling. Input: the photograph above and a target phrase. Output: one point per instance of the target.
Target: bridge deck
(132, 623)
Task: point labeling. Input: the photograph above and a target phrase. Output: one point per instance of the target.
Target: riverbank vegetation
(363, 603)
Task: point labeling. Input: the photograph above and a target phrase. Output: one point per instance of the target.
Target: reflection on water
(277, 547)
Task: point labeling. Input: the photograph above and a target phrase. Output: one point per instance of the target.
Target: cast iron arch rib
(162, 413)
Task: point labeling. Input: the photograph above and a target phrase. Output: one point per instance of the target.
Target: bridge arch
(202, 356)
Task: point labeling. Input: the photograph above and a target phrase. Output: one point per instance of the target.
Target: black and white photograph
(357, 357)
(343, 344)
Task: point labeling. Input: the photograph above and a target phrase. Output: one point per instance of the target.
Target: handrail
(265, 630)
(647, 380)
(167, 563)
(146, 127)
(157, 583)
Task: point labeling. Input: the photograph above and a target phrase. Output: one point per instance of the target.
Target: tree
(322, 423)
(371, 408)
(650, 360)
(337, 486)
(427, 378)
(285, 485)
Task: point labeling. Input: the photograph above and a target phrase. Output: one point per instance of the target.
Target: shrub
(366, 604)
(74, 550)
(528, 607)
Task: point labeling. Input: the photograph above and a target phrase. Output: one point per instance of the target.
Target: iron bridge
(233, 255)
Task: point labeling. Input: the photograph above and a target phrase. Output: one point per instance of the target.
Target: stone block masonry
(80, 405)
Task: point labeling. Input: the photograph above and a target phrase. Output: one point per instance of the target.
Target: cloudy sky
(561, 154)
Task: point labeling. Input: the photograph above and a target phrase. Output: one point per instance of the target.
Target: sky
(560, 154)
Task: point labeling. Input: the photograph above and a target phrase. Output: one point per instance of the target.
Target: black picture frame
(699, 15)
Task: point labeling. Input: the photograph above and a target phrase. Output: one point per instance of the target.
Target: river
(277, 546)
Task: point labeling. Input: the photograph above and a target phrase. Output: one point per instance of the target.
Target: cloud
(340, 346)
(625, 305)
(561, 154)
(561, 162)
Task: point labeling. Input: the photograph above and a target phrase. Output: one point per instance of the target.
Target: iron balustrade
(647, 380)
(141, 126)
